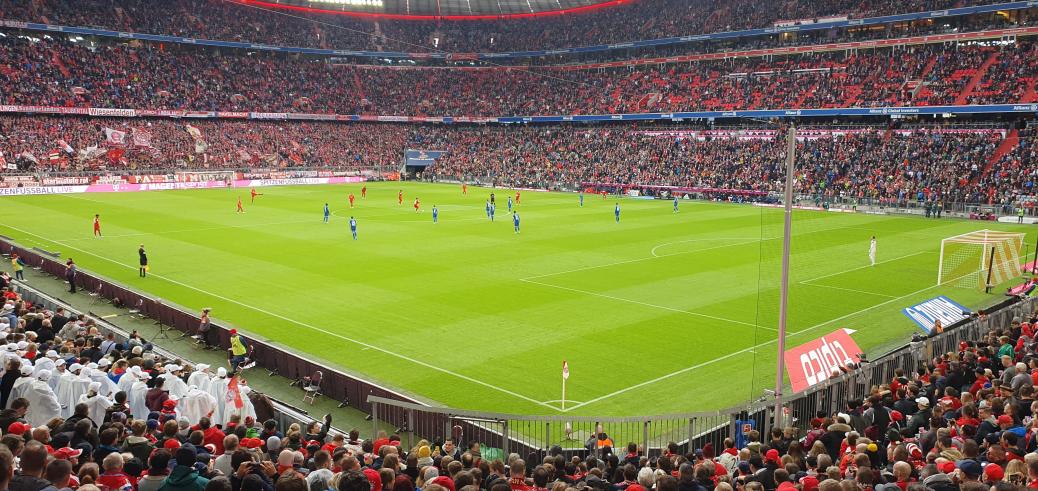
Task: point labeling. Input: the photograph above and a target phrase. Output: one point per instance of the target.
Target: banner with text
(941, 308)
(818, 360)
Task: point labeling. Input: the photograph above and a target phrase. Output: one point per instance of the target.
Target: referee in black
(143, 260)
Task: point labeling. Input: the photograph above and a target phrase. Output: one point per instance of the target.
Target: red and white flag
(141, 138)
(565, 370)
(115, 137)
(234, 393)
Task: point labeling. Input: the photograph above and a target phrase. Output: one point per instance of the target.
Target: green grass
(660, 313)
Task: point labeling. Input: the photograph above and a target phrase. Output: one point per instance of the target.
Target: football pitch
(662, 312)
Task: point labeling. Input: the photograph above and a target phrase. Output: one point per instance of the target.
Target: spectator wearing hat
(834, 436)
(184, 476)
(157, 395)
(921, 418)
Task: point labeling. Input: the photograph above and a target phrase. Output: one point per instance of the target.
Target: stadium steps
(928, 68)
(55, 58)
(977, 77)
(1009, 144)
(803, 97)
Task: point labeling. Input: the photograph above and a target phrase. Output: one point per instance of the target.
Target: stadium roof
(438, 9)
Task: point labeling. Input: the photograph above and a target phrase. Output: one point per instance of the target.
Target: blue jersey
(436, 213)
(675, 203)
(515, 220)
(509, 203)
(353, 225)
(326, 212)
(617, 210)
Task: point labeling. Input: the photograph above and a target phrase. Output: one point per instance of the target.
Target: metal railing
(501, 434)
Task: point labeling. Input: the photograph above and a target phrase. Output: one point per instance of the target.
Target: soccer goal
(969, 259)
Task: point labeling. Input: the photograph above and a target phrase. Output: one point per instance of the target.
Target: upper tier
(635, 20)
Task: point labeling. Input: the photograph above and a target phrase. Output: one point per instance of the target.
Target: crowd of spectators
(631, 21)
(874, 163)
(67, 74)
(964, 421)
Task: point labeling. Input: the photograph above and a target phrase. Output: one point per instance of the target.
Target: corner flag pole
(565, 375)
(791, 148)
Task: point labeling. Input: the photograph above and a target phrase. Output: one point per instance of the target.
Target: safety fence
(534, 436)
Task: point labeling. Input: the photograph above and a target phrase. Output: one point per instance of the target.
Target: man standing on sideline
(616, 211)
(18, 264)
(143, 260)
(70, 275)
(872, 250)
(581, 198)
(239, 348)
(353, 227)
(675, 204)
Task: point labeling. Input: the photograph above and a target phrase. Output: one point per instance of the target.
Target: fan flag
(565, 370)
(234, 393)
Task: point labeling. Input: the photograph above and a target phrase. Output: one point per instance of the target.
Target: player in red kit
(400, 197)
(241, 209)
(464, 188)
(417, 205)
(363, 192)
(254, 194)
(517, 197)
(97, 225)
(351, 200)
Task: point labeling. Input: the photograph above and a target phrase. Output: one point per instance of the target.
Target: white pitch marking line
(621, 299)
(303, 324)
(635, 260)
(744, 350)
(863, 292)
(653, 251)
(866, 266)
(203, 229)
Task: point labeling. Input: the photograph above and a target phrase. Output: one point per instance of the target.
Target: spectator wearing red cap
(993, 473)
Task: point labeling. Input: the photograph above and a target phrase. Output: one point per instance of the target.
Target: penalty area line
(749, 349)
(308, 326)
(636, 302)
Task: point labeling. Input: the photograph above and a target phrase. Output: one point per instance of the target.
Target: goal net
(968, 259)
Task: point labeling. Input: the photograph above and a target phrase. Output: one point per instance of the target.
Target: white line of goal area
(303, 324)
(810, 281)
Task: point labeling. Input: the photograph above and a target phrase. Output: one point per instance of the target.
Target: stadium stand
(641, 19)
(65, 74)
(893, 165)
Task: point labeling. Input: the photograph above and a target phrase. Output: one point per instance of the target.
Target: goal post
(969, 260)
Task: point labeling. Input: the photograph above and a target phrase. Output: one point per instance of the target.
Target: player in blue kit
(327, 213)
(675, 204)
(353, 227)
(509, 203)
(515, 221)
(488, 208)
(493, 208)
(616, 211)
(436, 213)
(581, 199)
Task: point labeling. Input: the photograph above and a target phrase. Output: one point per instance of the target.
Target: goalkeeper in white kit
(872, 250)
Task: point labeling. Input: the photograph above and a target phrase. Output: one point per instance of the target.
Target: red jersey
(253, 192)
(464, 189)
(519, 484)
(97, 223)
(416, 205)
(517, 197)
(363, 191)
(351, 199)
(400, 198)
(239, 204)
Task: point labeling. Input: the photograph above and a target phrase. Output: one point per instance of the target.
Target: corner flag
(565, 370)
